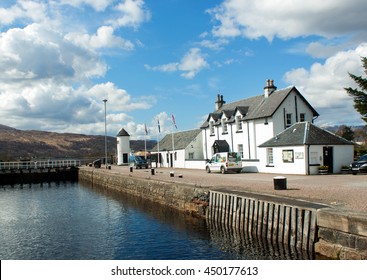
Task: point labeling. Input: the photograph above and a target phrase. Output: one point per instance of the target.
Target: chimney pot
(269, 88)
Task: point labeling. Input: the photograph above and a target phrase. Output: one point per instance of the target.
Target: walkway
(344, 191)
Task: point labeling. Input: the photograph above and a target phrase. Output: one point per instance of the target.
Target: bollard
(152, 171)
(131, 169)
(280, 183)
(172, 174)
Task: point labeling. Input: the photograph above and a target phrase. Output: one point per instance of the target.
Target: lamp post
(105, 132)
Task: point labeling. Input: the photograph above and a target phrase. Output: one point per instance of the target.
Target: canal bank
(322, 224)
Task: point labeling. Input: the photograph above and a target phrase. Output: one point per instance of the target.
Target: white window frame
(240, 149)
(211, 128)
(270, 156)
(239, 123)
(224, 126)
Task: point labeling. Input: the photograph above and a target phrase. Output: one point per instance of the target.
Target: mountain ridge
(16, 144)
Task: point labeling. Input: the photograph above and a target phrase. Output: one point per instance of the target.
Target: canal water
(71, 221)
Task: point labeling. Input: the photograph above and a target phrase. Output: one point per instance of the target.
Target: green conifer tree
(360, 95)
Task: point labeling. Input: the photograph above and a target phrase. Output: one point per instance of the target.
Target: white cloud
(192, 63)
(131, 13)
(98, 5)
(104, 38)
(288, 19)
(36, 52)
(323, 85)
(48, 73)
(118, 99)
(46, 83)
(24, 9)
(189, 66)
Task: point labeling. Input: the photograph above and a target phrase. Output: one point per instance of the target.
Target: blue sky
(60, 58)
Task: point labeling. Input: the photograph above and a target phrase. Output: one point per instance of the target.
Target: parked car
(359, 166)
(224, 162)
(140, 162)
(97, 163)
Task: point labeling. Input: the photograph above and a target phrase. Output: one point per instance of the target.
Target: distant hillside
(27, 144)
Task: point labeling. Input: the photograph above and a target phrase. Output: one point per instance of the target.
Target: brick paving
(344, 191)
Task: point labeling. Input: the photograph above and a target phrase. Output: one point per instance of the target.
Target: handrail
(19, 165)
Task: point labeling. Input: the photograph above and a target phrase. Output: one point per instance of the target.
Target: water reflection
(240, 243)
(67, 220)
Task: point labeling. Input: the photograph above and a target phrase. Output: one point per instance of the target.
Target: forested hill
(18, 144)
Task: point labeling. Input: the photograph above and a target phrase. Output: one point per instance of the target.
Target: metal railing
(20, 165)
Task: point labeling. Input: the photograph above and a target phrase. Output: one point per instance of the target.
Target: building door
(125, 158)
(171, 160)
(328, 158)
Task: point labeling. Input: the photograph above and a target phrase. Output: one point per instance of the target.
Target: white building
(123, 147)
(302, 148)
(243, 125)
(183, 150)
(254, 127)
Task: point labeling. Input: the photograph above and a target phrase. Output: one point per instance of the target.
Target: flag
(159, 127)
(173, 121)
(146, 129)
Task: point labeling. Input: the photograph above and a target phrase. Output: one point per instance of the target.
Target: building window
(288, 120)
(302, 117)
(191, 155)
(269, 155)
(175, 155)
(266, 122)
(240, 149)
(224, 126)
(211, 128)
(288, 156)
(239, 123)
(314, 158)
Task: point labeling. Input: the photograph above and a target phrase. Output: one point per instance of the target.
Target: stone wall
(342, 234)
(177, 195)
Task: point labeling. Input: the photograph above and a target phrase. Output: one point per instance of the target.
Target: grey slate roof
(181, 140)
(255, 107)
(305, 133)
(122, 132)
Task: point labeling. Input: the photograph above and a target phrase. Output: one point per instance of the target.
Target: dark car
(359, 166)
(140, 162)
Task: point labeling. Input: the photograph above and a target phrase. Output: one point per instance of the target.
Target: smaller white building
(123, 147)
(302, 149)
(181, 150)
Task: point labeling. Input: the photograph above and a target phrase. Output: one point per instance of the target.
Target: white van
(223, 162)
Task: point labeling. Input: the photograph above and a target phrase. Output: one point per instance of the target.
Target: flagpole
(145, 142)
(173, 141)
(159, 132)
(173, 148)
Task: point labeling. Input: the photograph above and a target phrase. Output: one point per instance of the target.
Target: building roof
(181, 140)
(255, 107)
(122, 132)
(305, 133)
(221, 146)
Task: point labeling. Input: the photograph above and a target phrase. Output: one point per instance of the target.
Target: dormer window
(224, 126)
(211, 128)
(238, 123)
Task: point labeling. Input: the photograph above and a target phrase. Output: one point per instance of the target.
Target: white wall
(123, 147)
(196, 147)
(342, 155)
(298, 166)
(289, 106)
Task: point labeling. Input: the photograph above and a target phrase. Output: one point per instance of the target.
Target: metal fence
(19, 165)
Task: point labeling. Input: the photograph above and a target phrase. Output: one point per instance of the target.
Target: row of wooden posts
(275, 222)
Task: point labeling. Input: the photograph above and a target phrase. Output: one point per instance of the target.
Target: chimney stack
(269, 88)
(219, 103)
